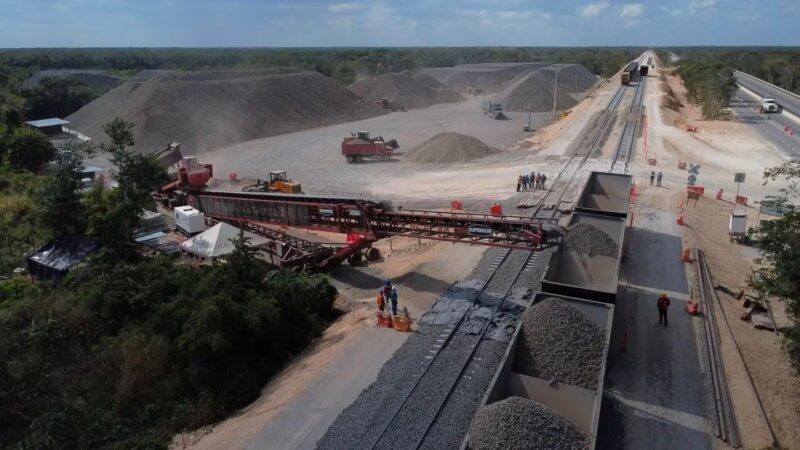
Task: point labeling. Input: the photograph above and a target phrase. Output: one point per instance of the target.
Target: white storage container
(738, 223)
(189, 220)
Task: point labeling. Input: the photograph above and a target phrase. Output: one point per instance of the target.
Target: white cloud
(592, 9)
(632, 11)
(702, 4)
(339, 8)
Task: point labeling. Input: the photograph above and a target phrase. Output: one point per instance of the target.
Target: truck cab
(769, 105)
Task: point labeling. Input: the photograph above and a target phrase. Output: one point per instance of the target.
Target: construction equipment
(493, 109)
(278, 182)
(391, 105)
(360, 146)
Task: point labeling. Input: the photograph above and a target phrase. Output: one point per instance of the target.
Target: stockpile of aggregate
(413, 91)
(449, 147)
(490, 77)
(585, 238)
(557, 342)
(536, 89)
(91, 78)
(518, 423)
(208, 109)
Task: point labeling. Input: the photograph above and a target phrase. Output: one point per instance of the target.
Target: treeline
(779, 66)
(708, 84)
(342, 64)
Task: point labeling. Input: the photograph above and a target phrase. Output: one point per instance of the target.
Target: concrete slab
(306, 419)
(656, 397)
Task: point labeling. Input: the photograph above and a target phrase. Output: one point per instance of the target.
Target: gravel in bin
(517, 423)
(557, 342)
(587, 239)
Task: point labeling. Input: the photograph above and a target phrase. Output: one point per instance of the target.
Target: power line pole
(555, 93)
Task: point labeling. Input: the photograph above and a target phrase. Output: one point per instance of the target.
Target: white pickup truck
(769, 105)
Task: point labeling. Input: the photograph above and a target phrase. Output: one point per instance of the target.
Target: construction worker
(393, 300)
(526, 183)
(387, 290)
(658, 178)
(663, 306)
(538, 181)
(652, 176)
(381, 301)
(519, 182)
(544, 180)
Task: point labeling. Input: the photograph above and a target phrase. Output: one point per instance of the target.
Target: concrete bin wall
(606, 194)
(581, 406)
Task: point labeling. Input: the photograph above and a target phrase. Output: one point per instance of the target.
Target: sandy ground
(731, 264)
(721, 148)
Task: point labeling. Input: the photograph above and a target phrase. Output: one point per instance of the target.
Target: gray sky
(220, 23)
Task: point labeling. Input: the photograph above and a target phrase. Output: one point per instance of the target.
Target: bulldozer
(278, 182)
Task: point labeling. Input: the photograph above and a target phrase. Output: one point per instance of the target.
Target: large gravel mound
(520, 424)
(536, 89)
(585, 238)
(450, 147)
(208, 109)
(92, 78)
(413, 91)
(558, 342)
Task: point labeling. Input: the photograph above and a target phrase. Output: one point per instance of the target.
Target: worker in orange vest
(381, 301)
(663, 305)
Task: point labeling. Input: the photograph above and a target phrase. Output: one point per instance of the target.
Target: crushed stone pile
(208, 109)
(585, 238)
(450, 147)
(517, 423)
(557, 342)
(490, 77)
(91, 78)
(536, 89)
(412, 90)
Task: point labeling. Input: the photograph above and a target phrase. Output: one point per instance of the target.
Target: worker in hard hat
(393, 300)
(663, 306)
(381, 301)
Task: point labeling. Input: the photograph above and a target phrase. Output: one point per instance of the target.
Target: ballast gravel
(585, 238)
(520, 424)
(557, 342)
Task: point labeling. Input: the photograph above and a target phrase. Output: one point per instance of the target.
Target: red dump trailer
(360, 146)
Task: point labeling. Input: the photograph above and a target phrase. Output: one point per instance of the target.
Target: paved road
(771, 126)
(654, 395)
(789, 101)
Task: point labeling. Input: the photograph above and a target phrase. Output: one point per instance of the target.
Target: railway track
(548, 205)
(627, 141)
(452, 354)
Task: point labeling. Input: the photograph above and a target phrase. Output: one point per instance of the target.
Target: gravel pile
(449, 147)
(491, 77)
(518, 423)
(413, 91)
(208, 109)
(558, 342)
(536, 89)
(585, 238)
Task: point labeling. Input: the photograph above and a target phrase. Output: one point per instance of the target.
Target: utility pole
(530, 108)
(555, 93)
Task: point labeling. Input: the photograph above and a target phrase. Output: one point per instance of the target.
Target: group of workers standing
(388, 294)
(656, 177)
(527, 182)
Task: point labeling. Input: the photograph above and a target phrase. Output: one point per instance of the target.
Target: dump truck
(391, 105)
(278, 182)
(769, 105)
(360, 146)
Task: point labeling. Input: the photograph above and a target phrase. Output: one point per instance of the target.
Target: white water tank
(189, 220)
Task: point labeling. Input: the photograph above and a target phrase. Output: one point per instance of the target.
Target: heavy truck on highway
(769, 105)
(360, 146)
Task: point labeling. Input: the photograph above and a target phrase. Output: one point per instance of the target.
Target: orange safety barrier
(699, 189)
(741, 200)
(402, 323)
(384, 319)
(693, 308)
(496, 210)
(686, 256)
